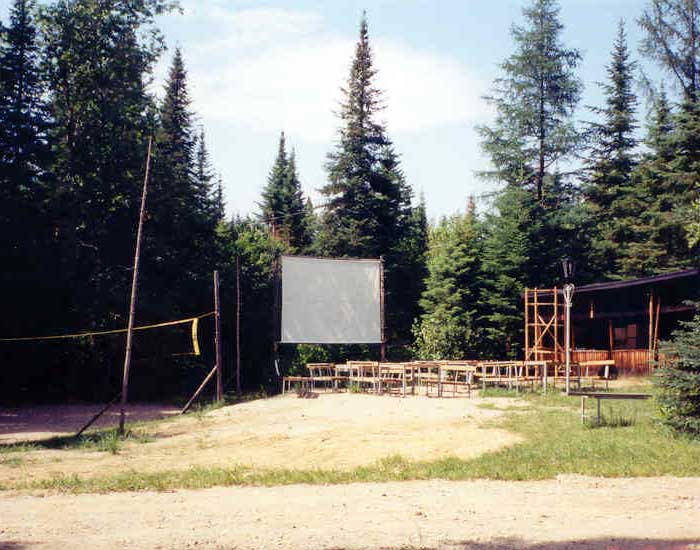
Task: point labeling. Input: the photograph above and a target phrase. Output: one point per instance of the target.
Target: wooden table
(604, 395)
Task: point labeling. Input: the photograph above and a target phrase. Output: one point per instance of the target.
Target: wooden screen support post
(527, 324)
(217, 339)
(199, 390)
(276, 314)
(382, 351)
(102, 411)
(132, 302)
(651, 330)
(557, 348)
(239, 391)
(655, 339)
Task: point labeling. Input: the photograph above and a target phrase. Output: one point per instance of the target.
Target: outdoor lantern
(569, 267)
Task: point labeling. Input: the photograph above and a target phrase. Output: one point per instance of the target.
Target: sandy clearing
(567, 513)
(335, 431)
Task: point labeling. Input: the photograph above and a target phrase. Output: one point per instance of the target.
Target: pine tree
(204, 187)
(368, 208)
(182, 217)
(22, 112)
(679, 383)
(535, 100)
(672, 39)
(364, 193)
(296, 216)
(507, 262)
(448, 327)
(273, 206)
(612, 196)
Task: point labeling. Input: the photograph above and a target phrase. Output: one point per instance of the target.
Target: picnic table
(598, 396)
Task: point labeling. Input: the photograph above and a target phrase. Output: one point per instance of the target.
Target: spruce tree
(449, 327)
(613, 197)
(23, 117)
(535, 100)
(296, 221)
(507, 261)
(672, 39)
(678, 384)
(180, 237)
(368, 207)
(273, 206)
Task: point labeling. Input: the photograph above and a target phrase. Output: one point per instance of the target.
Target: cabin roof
(642, 281)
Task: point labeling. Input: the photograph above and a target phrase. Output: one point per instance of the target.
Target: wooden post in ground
(382, 351)
(239, 391)
(199, 390)
(217, 339)
(651, 331)
(132, 302)
(655, 347)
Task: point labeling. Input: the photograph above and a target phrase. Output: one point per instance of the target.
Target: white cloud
(272, 69)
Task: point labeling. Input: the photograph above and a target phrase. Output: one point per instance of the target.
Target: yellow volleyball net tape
(193, 320)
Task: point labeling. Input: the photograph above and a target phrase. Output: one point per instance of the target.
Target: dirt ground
(334, 431)
(44, 421)
(569, 513)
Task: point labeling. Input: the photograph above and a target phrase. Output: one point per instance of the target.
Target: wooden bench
(599, 396)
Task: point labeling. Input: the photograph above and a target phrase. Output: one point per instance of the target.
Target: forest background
(617, 191)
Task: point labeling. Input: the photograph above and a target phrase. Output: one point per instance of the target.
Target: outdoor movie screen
(327, 301)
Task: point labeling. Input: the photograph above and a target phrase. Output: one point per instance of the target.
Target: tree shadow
(515, 543)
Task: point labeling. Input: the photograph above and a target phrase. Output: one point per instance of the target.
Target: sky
(259, 67)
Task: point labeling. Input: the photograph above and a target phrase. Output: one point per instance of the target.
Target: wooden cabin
(619, 320)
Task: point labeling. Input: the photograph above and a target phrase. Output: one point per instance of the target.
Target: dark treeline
(76, 111)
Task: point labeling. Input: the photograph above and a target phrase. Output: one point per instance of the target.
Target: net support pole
(382, 350)
(134, 286)
(239, 391)
(217, 339)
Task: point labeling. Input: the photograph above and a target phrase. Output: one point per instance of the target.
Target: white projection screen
(327, 301)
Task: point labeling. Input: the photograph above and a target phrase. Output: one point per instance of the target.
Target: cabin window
(626, 336)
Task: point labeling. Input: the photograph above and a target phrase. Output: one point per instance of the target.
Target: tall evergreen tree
(283, 207)
(182, 215)
(672, 39)
(368, 202)
(299, 237)
(23, 162)
(535, 100)
(22, 111)
(612, 196)
(98, 57)
(273, 206)
(449, 327)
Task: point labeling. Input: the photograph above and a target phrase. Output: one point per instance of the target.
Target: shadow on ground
(583, 544)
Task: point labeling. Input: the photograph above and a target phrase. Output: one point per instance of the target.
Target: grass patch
(12, 461)
(107, 440)
(628, 443)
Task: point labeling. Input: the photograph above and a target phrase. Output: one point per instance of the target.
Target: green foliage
(283, 208)
(448, 328)
(553, 443)
(534, 101)
(672, 39)
(368, 211)
(614, 197)
(678, 385)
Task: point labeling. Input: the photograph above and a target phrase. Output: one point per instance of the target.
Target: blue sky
(260, 67)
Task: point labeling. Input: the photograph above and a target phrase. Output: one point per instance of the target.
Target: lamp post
(568, 268)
